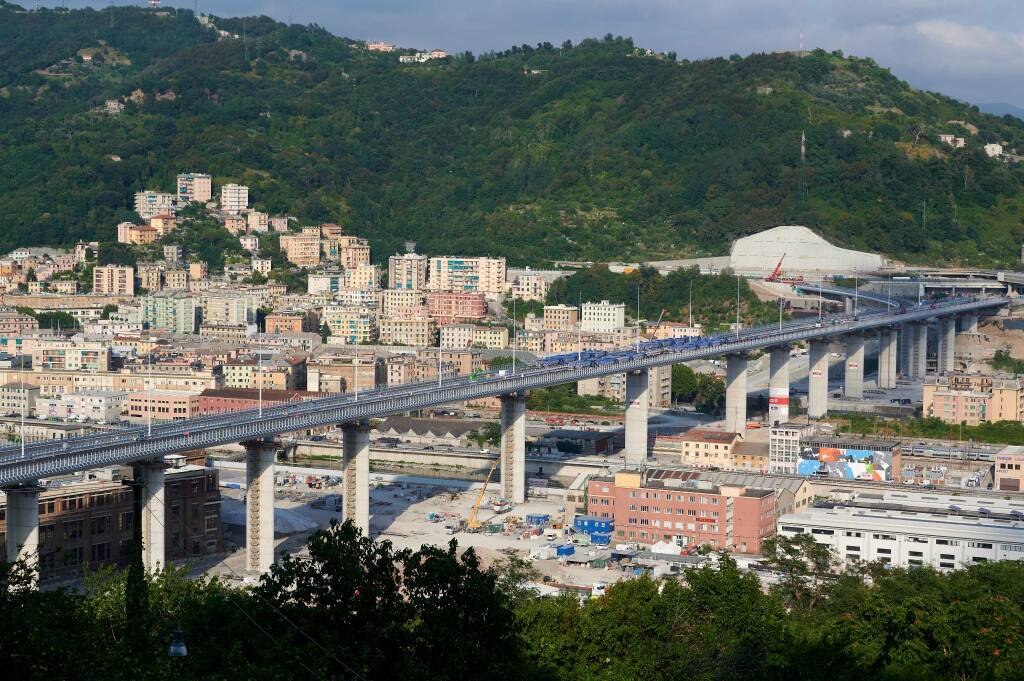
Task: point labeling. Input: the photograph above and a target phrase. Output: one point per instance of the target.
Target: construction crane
(777, 272)
(473, 522)
(654, 331)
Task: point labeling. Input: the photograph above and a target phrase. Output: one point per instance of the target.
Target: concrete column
(513, 448)
(778, 385)
(356, 465)
(150, 474)
(853, 383)
(817, 379)
(887, 353)
(736, 394)
(23, 525)
(945, 358)
(259, 504)
(970, 323)
(903, 344)
(919, 351)
(636, 417)
(849, 305)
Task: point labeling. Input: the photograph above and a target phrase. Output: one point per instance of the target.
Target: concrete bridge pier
(904, 343)
(853, 383)
(736, 393)
(969, 323)
(259, 504)
(149, 475)
(636, 417)
(23, 525)
(778, 385)
(513, 447)
(946, 356)
(919, 351)
(887, 354)
(817, 378)
(355, 461)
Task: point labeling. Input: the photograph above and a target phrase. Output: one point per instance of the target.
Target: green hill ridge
(596, 151)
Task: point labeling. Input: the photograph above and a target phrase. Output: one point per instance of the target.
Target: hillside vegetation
(596, 151)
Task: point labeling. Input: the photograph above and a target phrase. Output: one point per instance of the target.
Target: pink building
(649, 510)
(453, 306)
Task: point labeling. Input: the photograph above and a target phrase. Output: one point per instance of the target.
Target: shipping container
(537, 519)
(565, 550)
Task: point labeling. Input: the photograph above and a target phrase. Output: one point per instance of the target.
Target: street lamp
(177, 647)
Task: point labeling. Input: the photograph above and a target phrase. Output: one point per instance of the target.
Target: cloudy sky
(969, 49)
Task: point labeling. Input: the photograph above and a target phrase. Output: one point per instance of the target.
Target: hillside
(595, 151)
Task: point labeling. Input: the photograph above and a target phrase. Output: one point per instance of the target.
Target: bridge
(902, 333)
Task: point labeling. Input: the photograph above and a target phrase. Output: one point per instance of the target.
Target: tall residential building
(407, 272)
(364, 276)
(603, 317)
(150, 203)
(258, 221)
(302, 250)
(173, 312)
(234, 198)
(659, 392)
(115, 279)
(560, 317)
(453, 273)
(194, 187)
(351, 324)
(530, 286)
(71, 356)
(228, 308)
(414, 331)
(450, 306)
(784, 446)
(354, 252)
(974, 398)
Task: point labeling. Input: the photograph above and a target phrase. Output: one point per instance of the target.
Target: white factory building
(906, 529)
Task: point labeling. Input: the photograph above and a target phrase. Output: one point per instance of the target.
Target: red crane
(777, 272)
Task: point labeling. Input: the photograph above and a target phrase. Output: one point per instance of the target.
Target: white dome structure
(805, 252)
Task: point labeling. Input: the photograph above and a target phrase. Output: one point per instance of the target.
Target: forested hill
(594, 151)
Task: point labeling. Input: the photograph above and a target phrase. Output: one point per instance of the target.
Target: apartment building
(228, 308)
(700, 448)
(353, 253)
(407, 272)
(454, 273)
(194, 187)
(162, 406)
(454, 336)
(65, 355)
(602, 317)
(18, 397)
(784, 446)
(234, 198)
(400, 301)
(175, 312)
(113, 279)
(150, 278)
(351, 325)
(405, 369)
(176, 280)
(101, 406)
(413, 331)
(529, 286)
(909, 529)
(173, 253)
(649, 511)
(164, 224)
(250, 373)
(197, 270)
(130, 233)
(90, 524)
(302, 250)
(258, 222)
(235, 399)
(454, 306)
(560, 317)
(14, 322)
(262, 265)
(339, 373)
(292, 321)
(236, 224)
(150, 203)
(659, 387)
(364, 276)
(974, 398)
(466, 362)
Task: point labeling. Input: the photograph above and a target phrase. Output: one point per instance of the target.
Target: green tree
(803, 562)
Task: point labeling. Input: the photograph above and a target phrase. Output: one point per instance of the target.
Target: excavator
(473, 522)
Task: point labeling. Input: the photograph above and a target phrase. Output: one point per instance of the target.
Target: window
(914, 561)
(916, 554)
(979, 559)
(125, 521)
(74, 556)
(100, 525)
(852, 548)
(886, 551)
(979, 545)
(947, 542)
(886, 537)
(791, 528)
(946, 565)
(101, 552)
(947, 556)
(852, 534)
(73, 529)
(818, 530)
